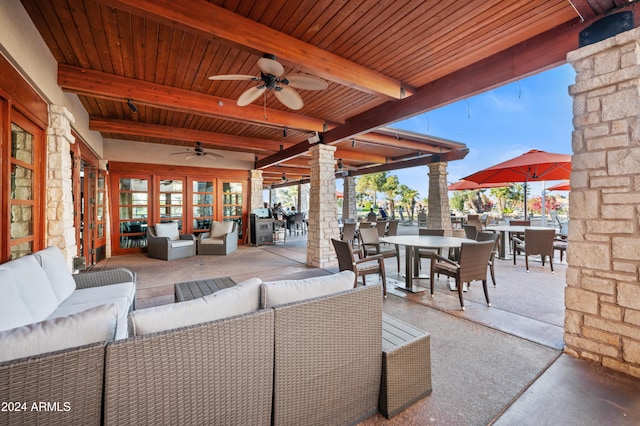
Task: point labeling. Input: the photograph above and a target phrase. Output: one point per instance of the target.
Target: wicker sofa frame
(311, 362)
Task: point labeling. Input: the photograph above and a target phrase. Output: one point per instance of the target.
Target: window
(232, 203)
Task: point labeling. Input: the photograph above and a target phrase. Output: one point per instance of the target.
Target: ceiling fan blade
(250, 95)
(270, 66)
(215, 155)
(289, 97)
(234, 77)
(306, 82)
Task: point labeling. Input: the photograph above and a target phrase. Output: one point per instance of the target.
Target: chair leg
(551, 264)
(459, 285)
(486, 292)
(493, 275)
(526, 261)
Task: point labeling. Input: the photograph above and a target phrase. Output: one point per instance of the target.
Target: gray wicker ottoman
(406, 366)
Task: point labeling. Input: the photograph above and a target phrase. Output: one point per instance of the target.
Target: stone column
(59, 203)
(323, 217)
(304, 197)
(349, 208)
(439, 214)
(602, 297)
(255, 179)
(272, 197)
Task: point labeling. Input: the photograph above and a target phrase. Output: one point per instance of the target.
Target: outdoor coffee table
(194, 289)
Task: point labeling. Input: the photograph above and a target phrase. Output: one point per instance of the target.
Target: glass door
(171, 201)
(203, 205)
(133, 211)
(232, 204)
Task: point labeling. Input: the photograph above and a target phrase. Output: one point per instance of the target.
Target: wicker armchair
(371, 245)
(222, 239)
(472, 266)
(349, 233)
(164, 242)
(361, 267)
(536, 241)
(425, 253)
(490, 236)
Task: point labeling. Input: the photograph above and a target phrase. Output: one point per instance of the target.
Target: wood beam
(108, 86)
(359, 156)
(287, 170)
(421, 161)
(209, 139)
(209, 20)
(539, 53)
(385, 140)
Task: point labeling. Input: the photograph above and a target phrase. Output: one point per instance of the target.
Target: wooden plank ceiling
(383, 61)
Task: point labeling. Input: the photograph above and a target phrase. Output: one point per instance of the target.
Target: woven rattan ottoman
(190, 290)
(406, 366)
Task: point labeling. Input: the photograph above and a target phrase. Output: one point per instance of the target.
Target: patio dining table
(504, 229)
(414, 242)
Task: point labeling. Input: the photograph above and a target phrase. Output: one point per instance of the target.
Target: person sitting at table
(372, 216)
(383, 213)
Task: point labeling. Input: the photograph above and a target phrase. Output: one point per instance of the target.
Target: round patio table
(413, 242)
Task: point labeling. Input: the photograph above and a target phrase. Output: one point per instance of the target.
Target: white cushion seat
(182, 243)
(169, 230)
(287, 291)
(211, 241)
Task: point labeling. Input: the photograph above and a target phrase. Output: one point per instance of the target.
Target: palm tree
(390, 188)
(408, 198)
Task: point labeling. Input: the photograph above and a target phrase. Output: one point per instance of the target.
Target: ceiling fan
(272, 78)
(198, 151)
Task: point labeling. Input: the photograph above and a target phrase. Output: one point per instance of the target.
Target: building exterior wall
(602, 321)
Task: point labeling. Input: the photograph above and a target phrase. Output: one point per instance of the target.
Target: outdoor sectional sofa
(291, 352)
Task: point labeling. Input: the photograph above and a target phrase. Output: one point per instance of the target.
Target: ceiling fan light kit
(199, 151)
(272, 78)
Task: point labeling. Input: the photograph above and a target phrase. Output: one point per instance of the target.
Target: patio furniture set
(286, 352)
(164, 241)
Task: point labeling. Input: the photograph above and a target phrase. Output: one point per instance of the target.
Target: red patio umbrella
(532, 166)
(463, 185)
(562, 186)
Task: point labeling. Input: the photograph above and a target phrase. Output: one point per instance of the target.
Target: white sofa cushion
(220, 229)
(13, 312)
(182, 243)
(34, 286)
(280, 292)
(55, 266)
(97, 324)
(237, 300)
(215, 241)
(169, 230)
(123, 293)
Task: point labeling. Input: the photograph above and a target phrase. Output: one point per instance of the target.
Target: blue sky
(533, 113)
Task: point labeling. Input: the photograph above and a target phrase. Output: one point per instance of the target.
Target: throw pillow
(13, 311)
(237, 300)
(34, 286)
(55, 266)
(219, 229)
(93, 325)
(280, 292)
(169, 230)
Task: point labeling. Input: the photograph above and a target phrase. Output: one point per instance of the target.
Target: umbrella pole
(525, 199)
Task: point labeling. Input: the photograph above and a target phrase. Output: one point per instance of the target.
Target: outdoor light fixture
(132, 105)
(284, 177)
(284, 132)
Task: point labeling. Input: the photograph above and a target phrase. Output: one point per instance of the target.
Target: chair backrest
(520, 222)
(422, 219)
(470, 231)
(471, 217)
(372, 217)
(381, 227)
(344, 254)
(392, 228)
(564, 229)
(368, 236)
(474, 258)
(489, 236)
(539, 241)
(431, 232)
(348, 231)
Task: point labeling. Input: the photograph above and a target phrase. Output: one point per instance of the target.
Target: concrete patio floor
(491, 365)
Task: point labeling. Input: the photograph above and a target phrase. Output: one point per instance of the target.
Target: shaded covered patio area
(497, 365)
